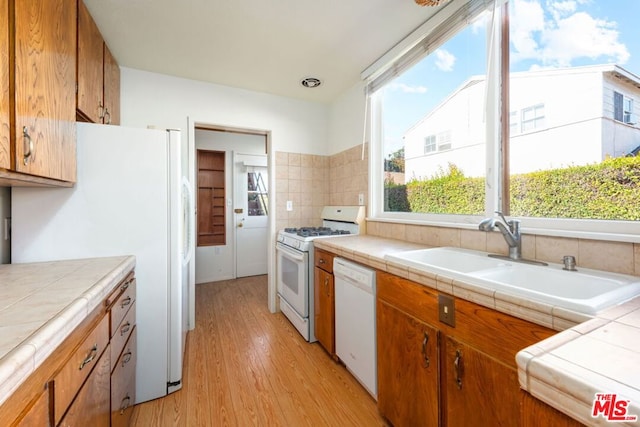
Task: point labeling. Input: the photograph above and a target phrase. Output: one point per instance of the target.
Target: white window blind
(444, 24)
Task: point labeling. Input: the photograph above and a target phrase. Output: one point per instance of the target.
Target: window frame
(431, 142)
(624, 231)
(534, 120)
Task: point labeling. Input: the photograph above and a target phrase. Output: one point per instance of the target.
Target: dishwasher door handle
(368, 288)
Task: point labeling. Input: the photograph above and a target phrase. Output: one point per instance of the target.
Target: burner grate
(315, 231)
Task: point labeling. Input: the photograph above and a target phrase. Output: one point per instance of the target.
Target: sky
(543, 34)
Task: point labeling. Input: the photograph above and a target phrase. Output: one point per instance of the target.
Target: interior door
(251, 213)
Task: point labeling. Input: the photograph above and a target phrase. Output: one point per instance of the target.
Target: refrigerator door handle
(188, 220)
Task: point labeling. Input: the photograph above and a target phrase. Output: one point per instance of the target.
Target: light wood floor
(245, 366)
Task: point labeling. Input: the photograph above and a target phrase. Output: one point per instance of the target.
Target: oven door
(293, 277)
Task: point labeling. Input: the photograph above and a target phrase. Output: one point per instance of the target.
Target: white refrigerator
(131, 198)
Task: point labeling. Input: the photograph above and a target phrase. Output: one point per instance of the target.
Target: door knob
(240, 224)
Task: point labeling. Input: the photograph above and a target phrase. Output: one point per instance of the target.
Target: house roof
(613, 70)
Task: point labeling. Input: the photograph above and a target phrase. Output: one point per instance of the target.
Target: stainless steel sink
(586, 291)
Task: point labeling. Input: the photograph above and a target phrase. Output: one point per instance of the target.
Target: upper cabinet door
(90, 62)
(5, 136)
(45, 78)
(111, 88)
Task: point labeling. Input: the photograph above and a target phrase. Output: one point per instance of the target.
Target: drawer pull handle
(124, 286)
(28, 152)
(125, 328)
(125, 404)
(425, 357)
(100, 110)
(322, 261)
(125, 302)
(126, 358)
(92, 355)
(459, 368)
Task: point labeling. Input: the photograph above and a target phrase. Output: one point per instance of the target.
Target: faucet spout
(510, 230)
(487, 224)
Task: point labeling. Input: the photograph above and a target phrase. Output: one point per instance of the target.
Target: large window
(571, 71)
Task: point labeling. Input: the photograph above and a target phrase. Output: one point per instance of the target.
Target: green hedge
(608, 190)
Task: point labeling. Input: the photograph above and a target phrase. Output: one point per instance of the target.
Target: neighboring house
(558, 118)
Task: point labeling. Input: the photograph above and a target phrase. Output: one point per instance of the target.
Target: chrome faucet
(510, 231)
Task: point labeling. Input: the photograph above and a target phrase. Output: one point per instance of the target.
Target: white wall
(166, 102)
(346, 120)
(215, 263)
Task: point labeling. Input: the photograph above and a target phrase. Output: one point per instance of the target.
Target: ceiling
(264, 46)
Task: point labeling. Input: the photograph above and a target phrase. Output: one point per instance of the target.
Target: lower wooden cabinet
(324, 301)
(479, 390)
(407, 368)
(68, 381)
(324, 310)
(431, 373)
(91, 405)
(38, 414)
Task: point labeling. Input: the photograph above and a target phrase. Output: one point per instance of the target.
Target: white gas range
(295, 261)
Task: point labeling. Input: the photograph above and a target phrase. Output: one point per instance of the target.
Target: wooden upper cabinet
(98, 74)
(90, 67)
(44, 93)
(111, 88)
(5, 136)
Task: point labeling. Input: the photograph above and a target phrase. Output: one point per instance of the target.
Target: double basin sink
(585, 291)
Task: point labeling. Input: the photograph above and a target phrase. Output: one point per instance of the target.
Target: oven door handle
(291, 254)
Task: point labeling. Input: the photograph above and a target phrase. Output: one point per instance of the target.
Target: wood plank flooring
(245, 366)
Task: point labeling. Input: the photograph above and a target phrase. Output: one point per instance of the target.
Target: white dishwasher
(355, 304)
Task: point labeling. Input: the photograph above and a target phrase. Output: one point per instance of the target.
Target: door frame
(194, 123)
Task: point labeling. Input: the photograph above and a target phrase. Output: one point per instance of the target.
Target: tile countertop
(42, 303)
(591, 354)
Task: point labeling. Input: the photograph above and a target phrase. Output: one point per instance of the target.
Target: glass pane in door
(257, 192)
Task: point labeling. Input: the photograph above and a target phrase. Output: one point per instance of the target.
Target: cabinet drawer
(68, 381)
(324, 260)
(122, 304)
(91, 406)
(123, 383)
(122, 333)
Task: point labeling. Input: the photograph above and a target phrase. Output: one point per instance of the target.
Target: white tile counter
(589, 355)
(42, 303)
